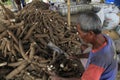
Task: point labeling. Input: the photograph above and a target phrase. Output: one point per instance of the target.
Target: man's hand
(83, 47)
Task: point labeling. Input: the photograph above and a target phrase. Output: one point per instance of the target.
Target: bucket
(109, 1)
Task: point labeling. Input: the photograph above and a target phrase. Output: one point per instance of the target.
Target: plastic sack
(95, 1)
(111, 20)
(101, 15)
(111, 9)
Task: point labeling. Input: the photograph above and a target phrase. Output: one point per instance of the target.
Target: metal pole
(68, 3)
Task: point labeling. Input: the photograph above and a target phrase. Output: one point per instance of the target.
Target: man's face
(84, 35)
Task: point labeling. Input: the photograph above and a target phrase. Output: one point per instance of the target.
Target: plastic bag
(101, 15)
(111, 20)
(95, 1)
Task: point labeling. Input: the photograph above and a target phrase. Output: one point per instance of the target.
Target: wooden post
(68, 3)
(77, 1)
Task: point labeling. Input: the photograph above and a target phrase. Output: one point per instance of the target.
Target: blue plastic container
(109, 1)
(117, 3)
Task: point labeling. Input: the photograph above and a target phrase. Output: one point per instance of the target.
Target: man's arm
(93, 72)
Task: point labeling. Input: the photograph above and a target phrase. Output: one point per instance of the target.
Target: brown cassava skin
(8, 12)
(35, 26)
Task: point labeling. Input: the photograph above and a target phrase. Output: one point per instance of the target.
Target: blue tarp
(109, 1)
(117, 3)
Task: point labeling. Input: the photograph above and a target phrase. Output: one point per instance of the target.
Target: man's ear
(91, 34)
(78, 28)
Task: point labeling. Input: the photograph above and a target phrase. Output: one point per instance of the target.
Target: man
(102, 63)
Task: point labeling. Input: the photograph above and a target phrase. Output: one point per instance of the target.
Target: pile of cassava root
(24, 37)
